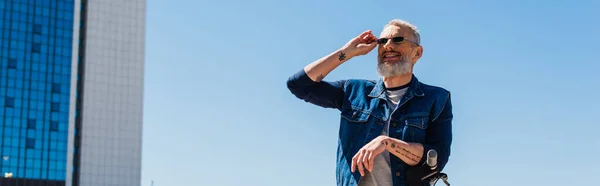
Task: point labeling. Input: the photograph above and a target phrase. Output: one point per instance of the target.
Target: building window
(30, 143)
(9, 102)
(55, 88)
(12, 63)
(36, 48)
(54, 107)
(53, 125)
(30, 123)
(37, 29)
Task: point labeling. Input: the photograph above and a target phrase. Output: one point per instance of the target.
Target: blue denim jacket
(424, 115)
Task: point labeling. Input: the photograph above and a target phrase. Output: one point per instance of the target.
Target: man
(387, 125)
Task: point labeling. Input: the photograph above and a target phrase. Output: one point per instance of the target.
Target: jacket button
(394, 124)
(397, 173)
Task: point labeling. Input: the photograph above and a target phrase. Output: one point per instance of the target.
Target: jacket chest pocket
(355, 116)
(414, 128)
(354, 126)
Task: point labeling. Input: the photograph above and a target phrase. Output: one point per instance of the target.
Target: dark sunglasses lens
(382, 41)
(397, 39)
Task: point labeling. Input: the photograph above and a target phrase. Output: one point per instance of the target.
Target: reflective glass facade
(35, 78)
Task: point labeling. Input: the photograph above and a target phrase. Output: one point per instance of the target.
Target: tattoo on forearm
(320, 77)
(404, 152)
(408, 152)
(405, 155)
(342, 56)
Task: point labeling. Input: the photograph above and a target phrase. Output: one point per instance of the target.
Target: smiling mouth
(391, 57)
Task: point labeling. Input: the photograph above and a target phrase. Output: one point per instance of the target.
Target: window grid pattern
(35, 74)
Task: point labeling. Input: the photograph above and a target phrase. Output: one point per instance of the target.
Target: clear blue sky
(524, 78)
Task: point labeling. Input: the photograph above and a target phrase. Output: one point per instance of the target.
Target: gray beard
(401, 67)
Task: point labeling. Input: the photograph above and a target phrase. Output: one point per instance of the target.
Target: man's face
(397, 58)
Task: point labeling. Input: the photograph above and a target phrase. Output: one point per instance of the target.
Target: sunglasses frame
(397, 40)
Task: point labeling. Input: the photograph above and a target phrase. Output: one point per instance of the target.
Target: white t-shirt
(382, 175)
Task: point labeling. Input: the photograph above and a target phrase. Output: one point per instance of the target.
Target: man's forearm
(318, 69)
(410, 153)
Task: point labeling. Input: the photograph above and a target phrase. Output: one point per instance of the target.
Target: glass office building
(71, 91)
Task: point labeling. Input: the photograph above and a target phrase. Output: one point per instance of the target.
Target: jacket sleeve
(324, 93)
(439, 135)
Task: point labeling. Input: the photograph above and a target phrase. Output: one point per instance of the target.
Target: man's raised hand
(360, 45)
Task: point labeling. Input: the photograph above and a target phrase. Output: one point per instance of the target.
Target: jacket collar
(414, 88)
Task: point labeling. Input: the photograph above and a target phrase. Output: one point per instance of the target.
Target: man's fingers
(365, 160)
(371, 46)
(371, 161)
(364, 39)
(353, 164)
(355, 161)
(365, 33)
(361, 168)
(367, 38)
(372, 39)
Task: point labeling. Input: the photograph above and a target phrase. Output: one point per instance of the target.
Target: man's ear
(418, 53)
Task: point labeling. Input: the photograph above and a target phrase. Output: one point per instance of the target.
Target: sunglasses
(396, 40)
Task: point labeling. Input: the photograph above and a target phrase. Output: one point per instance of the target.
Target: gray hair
(406, 24)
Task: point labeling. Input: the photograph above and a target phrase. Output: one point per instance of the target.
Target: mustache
(403, 58)
(391, 51)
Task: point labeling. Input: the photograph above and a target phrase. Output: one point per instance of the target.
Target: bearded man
(388, 125)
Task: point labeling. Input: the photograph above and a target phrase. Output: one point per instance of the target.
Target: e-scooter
(435, 174)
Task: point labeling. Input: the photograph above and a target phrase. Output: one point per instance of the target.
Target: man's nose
(388, 45)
